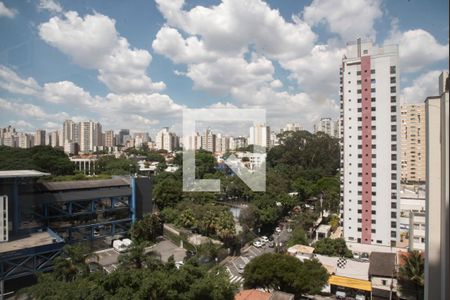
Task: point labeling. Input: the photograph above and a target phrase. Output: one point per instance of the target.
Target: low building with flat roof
(382, 270)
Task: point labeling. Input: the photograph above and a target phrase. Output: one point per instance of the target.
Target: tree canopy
(330, 247)
(285, 273)
(41, 158)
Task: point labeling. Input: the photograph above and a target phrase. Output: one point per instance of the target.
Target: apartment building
(413, 142)
(328, 126)
(370, 166)
(166, 140)
(260, 135)
(39, 137)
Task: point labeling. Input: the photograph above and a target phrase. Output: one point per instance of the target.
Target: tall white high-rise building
(166, 140)
(90, 136)
(25, 140)
(68, 130)
(259, 135)
(54, 139)
(192, 142)
(370, 162)
(222, 143)
(209, 141)
(328, 126)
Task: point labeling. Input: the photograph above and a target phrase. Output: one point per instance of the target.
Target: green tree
(298, 237)
(332, 247)
(148, 228)
(411, 275)
(72, 263)
(167, 193)
(334, 222)
(272, 271)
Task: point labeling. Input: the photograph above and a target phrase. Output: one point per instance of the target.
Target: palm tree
(138, 256)
(73, 262)
(411, 275)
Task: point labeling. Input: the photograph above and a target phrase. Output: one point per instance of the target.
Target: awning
(352, 283)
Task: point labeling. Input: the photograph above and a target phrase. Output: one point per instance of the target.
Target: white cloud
(51, 126)
(21, 125)
(229, 29)
(417, 48)
(276, 84)
(317, 73)
(30, 110)
(170, 43)
(50, 5)
(222, 105)
(94, 43)
(144, 121)
(13, 83)
(7, 12)
(422, 87)
(227, 74)
(66, 91)
(114, 110)
(350, 19)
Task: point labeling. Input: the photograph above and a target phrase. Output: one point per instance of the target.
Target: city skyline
(141, 73)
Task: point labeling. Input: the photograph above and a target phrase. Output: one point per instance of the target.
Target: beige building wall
(413, 142)
(437, 260)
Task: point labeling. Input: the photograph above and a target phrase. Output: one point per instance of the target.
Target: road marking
(245, 259)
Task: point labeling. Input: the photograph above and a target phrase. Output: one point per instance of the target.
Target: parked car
(278, 230)
(271, 244)
(264, 239)
(257, 244)
(241, 268)
(179, 264)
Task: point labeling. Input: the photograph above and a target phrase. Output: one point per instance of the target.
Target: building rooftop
(30, 241)
(22, 173)
(82, 184)
(301, 248)
(382, 264)
(350, 268)
(252, 295)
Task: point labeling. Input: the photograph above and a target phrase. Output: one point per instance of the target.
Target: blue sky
(138, 64)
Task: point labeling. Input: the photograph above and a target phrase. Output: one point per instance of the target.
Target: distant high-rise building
(110, 139)
(437, 245)
(122, 134)
(39, 137)
(260, 135)
(209, 141)
(192, 142)
(292, 127)
(222, 143)
(328, 126)
(141, 138)
(25, 140)
(166, 140)
(413, 142)
(54, 139)
(90, 136)
(370, 162)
